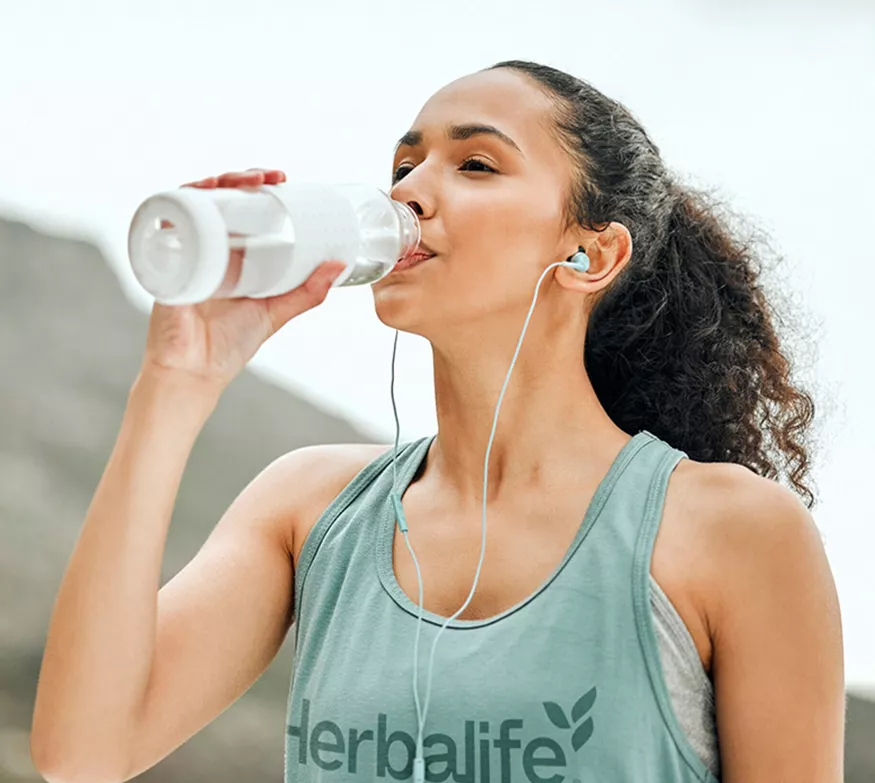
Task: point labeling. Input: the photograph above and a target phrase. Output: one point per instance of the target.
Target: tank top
(566, 685)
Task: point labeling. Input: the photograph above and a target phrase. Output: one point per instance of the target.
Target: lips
(421, 252)
(412, 260)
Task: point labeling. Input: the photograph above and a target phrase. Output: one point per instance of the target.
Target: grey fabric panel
(690, 689)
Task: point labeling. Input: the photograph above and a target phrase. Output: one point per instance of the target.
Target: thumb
(283, 307)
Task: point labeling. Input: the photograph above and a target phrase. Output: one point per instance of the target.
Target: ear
(608, 251)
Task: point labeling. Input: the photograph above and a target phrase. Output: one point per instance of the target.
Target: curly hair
(683, 342)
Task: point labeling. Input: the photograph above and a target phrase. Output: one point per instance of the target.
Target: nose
(411, 191)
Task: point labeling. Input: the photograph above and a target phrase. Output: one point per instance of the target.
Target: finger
(236, 179)
(281, 309)
(231, 179)
(271, 176)
(208, 182)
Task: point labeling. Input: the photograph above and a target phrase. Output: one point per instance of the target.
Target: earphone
(579, 262)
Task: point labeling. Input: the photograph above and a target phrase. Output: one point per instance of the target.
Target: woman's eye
(476, 162)
(398, 175)
(401, 171)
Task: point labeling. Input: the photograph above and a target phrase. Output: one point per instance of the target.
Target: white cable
(419, 764)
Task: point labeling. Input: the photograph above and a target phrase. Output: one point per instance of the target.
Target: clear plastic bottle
(264, 241)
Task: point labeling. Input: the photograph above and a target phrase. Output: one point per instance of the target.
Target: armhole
(341, 501)
(644, 618)
(676, 628)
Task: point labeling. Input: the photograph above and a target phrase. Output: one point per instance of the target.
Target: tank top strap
(375, 478)
(662, 460)
(613, 549)
(633, 506)
(656, 466)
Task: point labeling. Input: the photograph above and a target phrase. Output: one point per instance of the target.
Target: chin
(399, 307)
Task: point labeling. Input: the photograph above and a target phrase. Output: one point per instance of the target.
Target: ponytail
(683, 342)
(686, 348)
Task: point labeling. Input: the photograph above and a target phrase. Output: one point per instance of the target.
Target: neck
(552, 430)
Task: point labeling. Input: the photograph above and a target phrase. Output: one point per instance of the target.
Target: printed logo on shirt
(471, 759)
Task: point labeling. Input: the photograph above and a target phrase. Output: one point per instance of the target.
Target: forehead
(508, 100)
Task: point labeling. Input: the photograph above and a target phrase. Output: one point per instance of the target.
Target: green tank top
(565, 686)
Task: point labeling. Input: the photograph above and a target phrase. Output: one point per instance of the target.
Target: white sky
(774, 103)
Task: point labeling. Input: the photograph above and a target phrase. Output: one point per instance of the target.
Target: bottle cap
(186, 264)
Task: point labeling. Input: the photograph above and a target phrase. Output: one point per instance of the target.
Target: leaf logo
(558, 718)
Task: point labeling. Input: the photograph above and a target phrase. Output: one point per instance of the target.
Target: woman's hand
(214, 340)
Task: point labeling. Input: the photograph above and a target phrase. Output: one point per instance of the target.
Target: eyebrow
(413, 138)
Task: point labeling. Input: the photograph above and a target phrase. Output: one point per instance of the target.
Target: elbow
(42, 761)
(58, 768)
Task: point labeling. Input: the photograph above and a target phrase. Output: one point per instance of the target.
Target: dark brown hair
(683, 343)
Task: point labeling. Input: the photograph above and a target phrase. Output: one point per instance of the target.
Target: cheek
(498, 247)
(496, 222)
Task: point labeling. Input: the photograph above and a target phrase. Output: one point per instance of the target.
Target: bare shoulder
(742, 514)
(736, 525)
(309, 478)
(775, 622)
(717, 516)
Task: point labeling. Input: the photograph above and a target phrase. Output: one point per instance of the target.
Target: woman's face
(492, 209)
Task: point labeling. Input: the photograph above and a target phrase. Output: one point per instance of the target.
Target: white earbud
(579, 262)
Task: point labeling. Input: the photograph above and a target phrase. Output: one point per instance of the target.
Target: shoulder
(752, 534)
(305, 481)
(745, 515)
(775, 624)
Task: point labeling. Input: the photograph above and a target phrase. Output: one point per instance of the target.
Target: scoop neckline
(385, 533)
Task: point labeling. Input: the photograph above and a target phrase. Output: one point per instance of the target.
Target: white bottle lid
(184, 265)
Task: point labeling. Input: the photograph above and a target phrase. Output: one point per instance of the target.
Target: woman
(653, 604)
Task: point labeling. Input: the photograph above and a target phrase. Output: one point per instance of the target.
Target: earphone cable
(422, 714)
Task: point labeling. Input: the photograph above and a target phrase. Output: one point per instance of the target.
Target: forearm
(101, 636)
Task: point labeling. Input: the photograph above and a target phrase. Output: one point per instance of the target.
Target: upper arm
(778, 658)
(222, 619)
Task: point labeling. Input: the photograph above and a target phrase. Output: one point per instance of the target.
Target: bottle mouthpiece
(411, 231)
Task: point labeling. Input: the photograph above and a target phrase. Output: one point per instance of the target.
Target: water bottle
(264, 241)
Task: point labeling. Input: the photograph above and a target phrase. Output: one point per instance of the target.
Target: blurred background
(104, 103)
